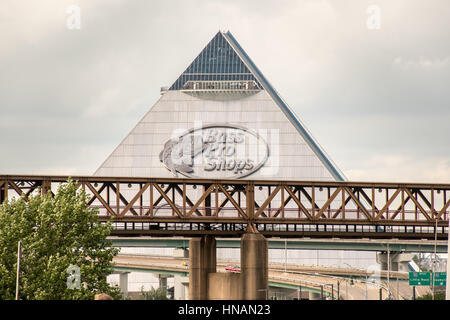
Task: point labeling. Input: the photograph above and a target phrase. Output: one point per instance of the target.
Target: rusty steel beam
(223, 202)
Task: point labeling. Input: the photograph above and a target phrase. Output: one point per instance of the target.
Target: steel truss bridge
(229, 208)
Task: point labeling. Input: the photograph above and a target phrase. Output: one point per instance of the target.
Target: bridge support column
(180, 288)
(163, 282)
(224, 286)
(123, 283)
(397, 261)
(202, 261)
(254, 266)
(314, 296)
(3, 192)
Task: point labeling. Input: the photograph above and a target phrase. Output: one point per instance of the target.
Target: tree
(154, 294)
(429, 296)
(58, 234)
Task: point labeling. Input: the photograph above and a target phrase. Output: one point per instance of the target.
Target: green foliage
(429, 296)
(154, 294)
(56, 232)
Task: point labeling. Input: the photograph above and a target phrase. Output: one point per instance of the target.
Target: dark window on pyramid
(217, 62)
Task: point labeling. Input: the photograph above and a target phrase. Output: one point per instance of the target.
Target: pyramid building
(221, 119)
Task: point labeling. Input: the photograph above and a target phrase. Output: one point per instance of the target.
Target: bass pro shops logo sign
(215, 151)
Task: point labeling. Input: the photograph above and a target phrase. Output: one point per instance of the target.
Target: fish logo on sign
(215, 151)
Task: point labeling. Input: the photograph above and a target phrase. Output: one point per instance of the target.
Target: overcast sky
(377, 100)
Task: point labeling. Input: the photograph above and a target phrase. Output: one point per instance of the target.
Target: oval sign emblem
(216, 151)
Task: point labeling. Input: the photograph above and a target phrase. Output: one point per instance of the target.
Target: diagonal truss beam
(235, 204)
(388, 203)
(168, 200)
(102, 201)
(122, 198)
(202, 198)
(418, 204)
(267, 201)
(359, 204)
(188, 201)
(298, 202)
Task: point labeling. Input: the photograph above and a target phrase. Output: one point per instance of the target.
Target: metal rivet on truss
(260, 188)
(162, 186)
(129, 185)
(95, 184)
(194, 187)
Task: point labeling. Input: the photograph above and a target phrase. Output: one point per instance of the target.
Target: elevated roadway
(380, 245)
(365, 284)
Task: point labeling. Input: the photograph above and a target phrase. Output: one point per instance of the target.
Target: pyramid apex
(218, 65)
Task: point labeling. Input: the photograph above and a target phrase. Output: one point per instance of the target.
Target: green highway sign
(424, 279)
(440, 279)
(420, 278)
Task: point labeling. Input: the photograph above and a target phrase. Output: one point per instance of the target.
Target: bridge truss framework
(193, 207)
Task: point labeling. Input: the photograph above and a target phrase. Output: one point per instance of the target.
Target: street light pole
(434, 260)
(338, 291)
(398, 290)
(19, 253)
(346, 289)
(367, 296)
(332, 292)
(389, 271)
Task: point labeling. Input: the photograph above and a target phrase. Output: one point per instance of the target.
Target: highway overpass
(380, 245)
(366, 284)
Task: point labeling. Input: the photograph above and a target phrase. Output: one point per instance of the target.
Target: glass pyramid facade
(218, 61)
(222, 85)
(223, 59)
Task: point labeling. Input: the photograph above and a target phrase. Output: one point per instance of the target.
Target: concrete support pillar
(224, 286)
(202, 261)
(180, 285)
(123, 283)
(314, 296)
(254, 266)
(163, 282)
(398, 261)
